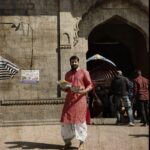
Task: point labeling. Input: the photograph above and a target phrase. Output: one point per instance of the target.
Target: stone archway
(121, 43)
(104, 10)
(123, 24)
(129, 15)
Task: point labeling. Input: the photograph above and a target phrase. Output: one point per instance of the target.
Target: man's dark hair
(138, 72)
(74, 58)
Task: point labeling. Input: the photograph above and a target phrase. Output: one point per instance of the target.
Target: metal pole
(32, 48)
(58, 48)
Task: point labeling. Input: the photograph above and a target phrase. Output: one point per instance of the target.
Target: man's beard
(74, 67)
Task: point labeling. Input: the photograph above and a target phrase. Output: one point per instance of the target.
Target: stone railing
(52, 101)
(30, 112)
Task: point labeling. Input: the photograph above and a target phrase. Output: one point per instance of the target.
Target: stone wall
(20, 102)
(17, 46)
(30, 112)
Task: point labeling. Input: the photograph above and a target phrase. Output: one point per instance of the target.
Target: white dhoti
(69, 131)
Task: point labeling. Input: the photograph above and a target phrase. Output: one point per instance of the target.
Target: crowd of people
(119, 90)
(127, 97)
(137, 97)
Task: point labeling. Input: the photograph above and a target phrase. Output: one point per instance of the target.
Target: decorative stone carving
(65, 46)
(76, 30)
(65, 40)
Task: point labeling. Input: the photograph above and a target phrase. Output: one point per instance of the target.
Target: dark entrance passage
(122, 44)
(114, 50)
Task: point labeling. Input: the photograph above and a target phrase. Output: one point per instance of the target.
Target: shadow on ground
(33, 145)
(139, 135)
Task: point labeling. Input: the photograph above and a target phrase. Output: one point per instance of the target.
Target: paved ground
(100, 137)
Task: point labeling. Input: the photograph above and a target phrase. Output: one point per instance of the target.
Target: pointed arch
(95, 15)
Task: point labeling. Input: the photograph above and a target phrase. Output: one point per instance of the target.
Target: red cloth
(75, 106)
(88, 117)
(141, 88)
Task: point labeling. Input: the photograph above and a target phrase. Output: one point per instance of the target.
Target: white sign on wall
(30, 76)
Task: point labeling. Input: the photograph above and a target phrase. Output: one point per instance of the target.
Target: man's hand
(66, 89)
(82, 91)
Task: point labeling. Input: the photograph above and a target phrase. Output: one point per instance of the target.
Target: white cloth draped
(70, 131)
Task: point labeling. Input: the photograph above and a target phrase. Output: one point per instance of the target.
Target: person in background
(74, 112)
(119, 90)
(141, 92)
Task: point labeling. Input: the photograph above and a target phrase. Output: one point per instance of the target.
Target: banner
(29, 76)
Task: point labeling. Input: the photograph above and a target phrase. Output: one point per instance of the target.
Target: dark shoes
(118, 122)
(76, 145)
(144, 125)
(67, 145)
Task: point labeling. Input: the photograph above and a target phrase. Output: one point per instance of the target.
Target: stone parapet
(53, 101)
(30, 112)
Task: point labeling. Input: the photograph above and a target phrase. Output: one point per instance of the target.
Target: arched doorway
(120, 42)
(123, 44)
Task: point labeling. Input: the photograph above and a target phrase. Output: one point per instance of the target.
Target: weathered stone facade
(60, 29)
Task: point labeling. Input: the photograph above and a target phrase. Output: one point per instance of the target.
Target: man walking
(73, 117)
(142, 96)
(119, 90)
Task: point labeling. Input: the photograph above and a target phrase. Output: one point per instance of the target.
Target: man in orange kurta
(74, 111)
